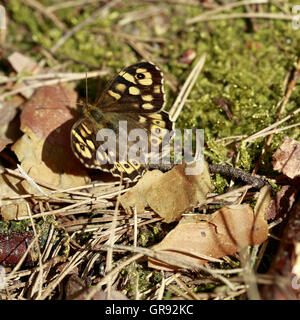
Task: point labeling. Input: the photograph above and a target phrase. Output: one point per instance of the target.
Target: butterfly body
(132, 100)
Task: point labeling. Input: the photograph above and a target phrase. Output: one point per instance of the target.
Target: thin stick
(31, 181)
(68, 4)
(39, 279)
(226, 7)
(256, 15)
(137, 15)
(271, 132)
(275, 124)
(111, 241)
(186, 89)
(76, 76)
(44, 76)
(235, 173)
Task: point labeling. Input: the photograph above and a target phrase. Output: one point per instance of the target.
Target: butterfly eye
(82, 147)
(140, 75)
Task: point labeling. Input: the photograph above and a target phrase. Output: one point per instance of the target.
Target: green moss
(220, 183)
(245, 158)
(14, 226)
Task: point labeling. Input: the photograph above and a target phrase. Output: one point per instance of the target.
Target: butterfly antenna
(86, 89)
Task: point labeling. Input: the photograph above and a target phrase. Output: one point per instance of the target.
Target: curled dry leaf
(169, 194)
(10, 186)
(217, 235)
(283, 202)
(44, 150)
(287, 158)
(285, 267)
(14, 210)
(13, 246)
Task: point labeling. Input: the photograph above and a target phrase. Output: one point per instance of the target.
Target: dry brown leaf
(10, 186)
(44, 150)
(168, 194)
(283, 202)
(220, 234)
(285, 267)
(14, 210)
(287, 158)
(20, 62)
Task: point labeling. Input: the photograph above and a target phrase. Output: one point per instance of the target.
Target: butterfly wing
(136, 89)
(93, 155)
(85, 145)
(136, 96)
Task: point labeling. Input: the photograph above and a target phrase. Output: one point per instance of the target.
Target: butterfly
(135, 97)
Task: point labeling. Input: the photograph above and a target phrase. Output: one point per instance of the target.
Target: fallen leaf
(282, 204)
(286, 264)
(169, 194)
(215, 236)
(14, 210)
(44, 150)
(13, 246)
(20, 62)
(10, 186)
(287, 158)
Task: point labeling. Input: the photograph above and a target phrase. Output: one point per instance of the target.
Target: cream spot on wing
(121, 87)
(83, 132)
(115, 95)
(128, 77)
(141, 70)
(157, 89)
(83, 150)
(155, 116)
(77, 136)
(96, 163)
(142, 119)
(147, 106)
(127, 167)
(134, 91)
(119, 167)
(147, 98)
(134, 163)
(86, 128)
(90, 144)
(145, 82)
